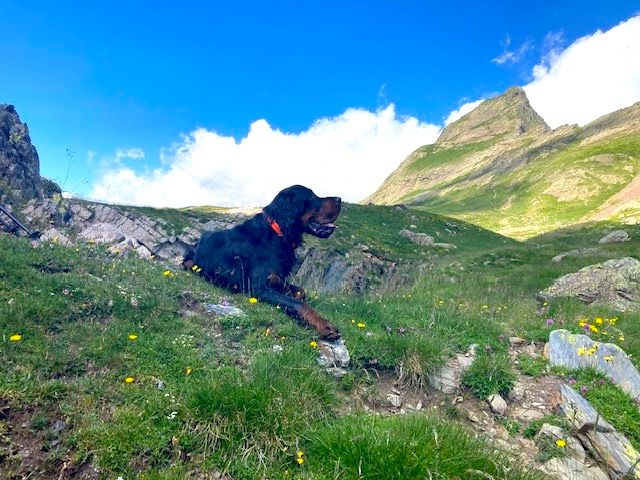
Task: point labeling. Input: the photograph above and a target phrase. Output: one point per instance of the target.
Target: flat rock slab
(605, 443)
(578, 253)
(616, 236)
(573, 351)
(614, 283)
(102, 233)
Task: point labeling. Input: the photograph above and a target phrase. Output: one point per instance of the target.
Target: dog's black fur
(256, 256)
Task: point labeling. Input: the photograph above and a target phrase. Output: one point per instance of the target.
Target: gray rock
(333, 354)
(447, 379)
(568, 468)
(564, 348)
(617, 236)
(497, 404)
(418, 238)
(19, 162)
(551, 433)
(608, 446)
(614, 283)
(102, 233)
(54, 236)
(394, 399)
(578, 253)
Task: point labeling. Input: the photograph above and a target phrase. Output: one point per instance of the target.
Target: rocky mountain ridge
(19, 162)
(500, 166)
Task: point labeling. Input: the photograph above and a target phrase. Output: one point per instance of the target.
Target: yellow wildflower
(167, 273)
(313, 344)
(440, 303)
(591, 351)
(133, 336)
(15, 338)
(253, 300)
(593, 328)
(188, 370)
(608, 358)
(621, 338)
(599, 320)
(582, 351)
(361, 325)
(129, 380)
(300, 460)
(561, 443)
(612, 321)
(582, 323)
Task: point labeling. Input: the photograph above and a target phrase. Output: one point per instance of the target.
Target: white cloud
(349, 155)
(132, 153)
(462, 111)
(512, 56)
(597, 74)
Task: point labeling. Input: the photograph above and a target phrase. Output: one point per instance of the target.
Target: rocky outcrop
(573, 351)
(617, 236)
(19, 163)
(608, 446)
(614, 283)
(356, 271)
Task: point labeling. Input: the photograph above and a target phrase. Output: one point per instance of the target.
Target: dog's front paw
(329, 332)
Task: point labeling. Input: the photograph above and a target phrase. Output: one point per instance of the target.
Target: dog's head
(298, 210)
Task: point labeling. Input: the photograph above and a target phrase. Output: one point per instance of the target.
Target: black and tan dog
(256, 256)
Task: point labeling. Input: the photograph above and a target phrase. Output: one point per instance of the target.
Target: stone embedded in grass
(497, 404)
(617, 236)
(605, 443)
(333, 356)
(613, 283)
(578, 253)
(448, 378)
(573, 351)
(224, 310)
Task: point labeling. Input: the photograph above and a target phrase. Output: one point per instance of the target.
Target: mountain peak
(509, 114)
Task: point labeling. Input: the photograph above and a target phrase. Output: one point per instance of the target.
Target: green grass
(522, 193)
(242, 395)
(404, 448)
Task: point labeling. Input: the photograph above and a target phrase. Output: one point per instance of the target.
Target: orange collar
(275, 226)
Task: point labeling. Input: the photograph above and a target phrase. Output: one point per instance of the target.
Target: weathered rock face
(357, 271)
(19, 163)
(614, 283)
(565, 349)
(608, 446)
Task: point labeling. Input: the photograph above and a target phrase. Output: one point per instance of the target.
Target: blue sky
(136, 89)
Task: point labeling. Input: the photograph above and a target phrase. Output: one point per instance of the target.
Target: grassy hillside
(120, 369)
(499, 167)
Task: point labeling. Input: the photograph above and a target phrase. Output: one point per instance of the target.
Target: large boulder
(19, 163)
(574, 351)
(614, 283)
